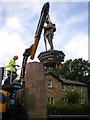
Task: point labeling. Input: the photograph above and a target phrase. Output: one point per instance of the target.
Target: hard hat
(16, 57)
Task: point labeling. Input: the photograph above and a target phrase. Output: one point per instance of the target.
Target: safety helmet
(16, 57)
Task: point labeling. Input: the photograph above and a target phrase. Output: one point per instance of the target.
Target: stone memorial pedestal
(51, 58)
(35, 91)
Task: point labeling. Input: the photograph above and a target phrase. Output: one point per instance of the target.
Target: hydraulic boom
(32, 49)
(44, 13)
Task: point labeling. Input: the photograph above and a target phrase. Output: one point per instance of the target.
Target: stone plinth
(35, 91)
(51, 58)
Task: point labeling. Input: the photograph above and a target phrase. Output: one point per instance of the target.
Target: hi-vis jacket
(11, 66)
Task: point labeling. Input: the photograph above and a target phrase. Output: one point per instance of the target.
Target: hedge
(68, 109)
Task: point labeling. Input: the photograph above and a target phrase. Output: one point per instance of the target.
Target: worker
(11, 70)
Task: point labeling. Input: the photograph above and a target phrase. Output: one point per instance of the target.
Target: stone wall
(55, 90)
(58, 93)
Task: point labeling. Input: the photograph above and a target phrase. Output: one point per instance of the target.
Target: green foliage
(73, 97)
(77, 69)
(68, 109)
(55, 71)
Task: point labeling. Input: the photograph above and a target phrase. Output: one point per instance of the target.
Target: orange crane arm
(32, 49)
(41, 22)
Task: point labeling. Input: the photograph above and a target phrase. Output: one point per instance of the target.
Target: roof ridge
(64, 80)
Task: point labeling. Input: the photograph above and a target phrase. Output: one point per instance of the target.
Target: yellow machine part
(34, 48)
(3, 106)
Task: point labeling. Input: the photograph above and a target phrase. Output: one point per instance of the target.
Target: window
(51, 101)
(72, 87)
(64, 99)
(49, 83)
(80, 88)
(63, 87)
(82, 100)
(60, 83)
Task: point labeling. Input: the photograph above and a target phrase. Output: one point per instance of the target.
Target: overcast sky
(18, 22)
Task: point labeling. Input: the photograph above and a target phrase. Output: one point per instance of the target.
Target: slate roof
(66, 81)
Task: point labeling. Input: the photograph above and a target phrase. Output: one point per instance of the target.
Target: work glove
(18, 66)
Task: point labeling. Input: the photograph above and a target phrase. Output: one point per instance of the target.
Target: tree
(77, 69)
(72, 97)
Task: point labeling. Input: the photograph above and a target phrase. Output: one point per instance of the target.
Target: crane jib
(43, 15)
(40, 25)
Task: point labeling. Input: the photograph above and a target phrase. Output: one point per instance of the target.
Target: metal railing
(3, 74)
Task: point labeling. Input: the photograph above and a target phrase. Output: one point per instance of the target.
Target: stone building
(57, 89)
